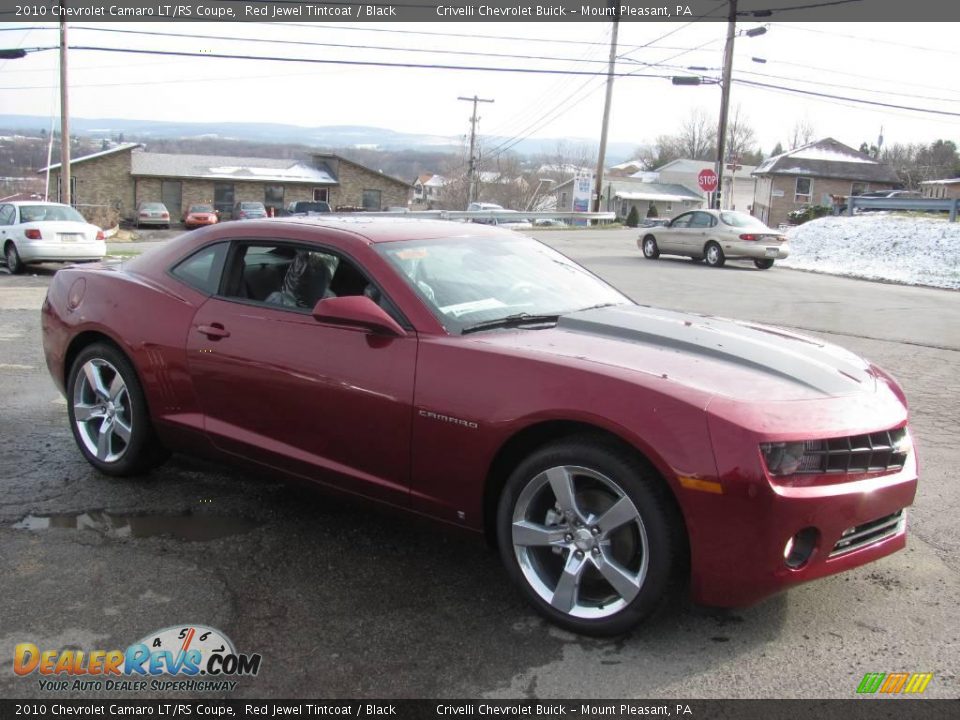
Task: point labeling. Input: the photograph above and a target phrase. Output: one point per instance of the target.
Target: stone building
(124, 176)
(820, 173)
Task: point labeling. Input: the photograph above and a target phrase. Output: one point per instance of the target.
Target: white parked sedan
(33, 232)
(714, 236)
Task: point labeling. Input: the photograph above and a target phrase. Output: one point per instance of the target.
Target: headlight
(874, 452)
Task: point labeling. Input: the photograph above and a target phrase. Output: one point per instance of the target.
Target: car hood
(717, 356)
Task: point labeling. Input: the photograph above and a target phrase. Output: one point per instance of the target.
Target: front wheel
(108, 413)
(714, 255)
(14, 263)
(650, 249)
(590, 535)
(763, 263)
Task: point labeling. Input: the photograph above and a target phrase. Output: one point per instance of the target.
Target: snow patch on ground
(913, 251)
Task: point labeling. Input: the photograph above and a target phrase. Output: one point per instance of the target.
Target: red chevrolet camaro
(615, 453)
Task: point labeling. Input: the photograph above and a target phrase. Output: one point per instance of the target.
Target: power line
(361, 63)
(860, 101)
(867, 39)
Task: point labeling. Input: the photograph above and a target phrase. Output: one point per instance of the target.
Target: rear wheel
(14, 263)
(650, 249)
(713, 254)
(590, 535)
(763, 263)
(108, 413)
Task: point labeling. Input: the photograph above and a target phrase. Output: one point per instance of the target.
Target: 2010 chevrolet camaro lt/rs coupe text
(614, 453)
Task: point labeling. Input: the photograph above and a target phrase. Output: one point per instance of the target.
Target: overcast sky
(909, 64)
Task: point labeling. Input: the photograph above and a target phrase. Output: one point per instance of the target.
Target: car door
(278, 387)
(8, 215)
(671, 239)
(698, 233)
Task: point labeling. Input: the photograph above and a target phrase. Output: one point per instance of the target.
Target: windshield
(741, 220)
(201, 208)
(251, 206)
(470, 280)
(48, 213)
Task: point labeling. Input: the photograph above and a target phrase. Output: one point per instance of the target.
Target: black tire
(127, 411)
(648, 545)
(763, 263)
(649, 247)
(713, 254)
(14, 263)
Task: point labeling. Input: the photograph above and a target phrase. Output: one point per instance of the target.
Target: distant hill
(327, 136)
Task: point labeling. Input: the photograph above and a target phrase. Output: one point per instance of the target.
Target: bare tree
(697, 138)
(741, 137)
(803, 133)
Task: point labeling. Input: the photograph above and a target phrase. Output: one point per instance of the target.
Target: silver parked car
(34, 231)
(153, 213)
(714, 236)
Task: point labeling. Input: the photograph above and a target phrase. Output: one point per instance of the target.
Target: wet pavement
(342, 600)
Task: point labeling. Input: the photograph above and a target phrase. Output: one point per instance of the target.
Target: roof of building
(220, 167)
(661, 192)
(693, 167)
(828, 158)
(103, 153)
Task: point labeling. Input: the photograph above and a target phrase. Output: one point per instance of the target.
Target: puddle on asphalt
(195, 528)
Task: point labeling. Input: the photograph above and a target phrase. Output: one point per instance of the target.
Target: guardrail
(517, 215)
(923, 204)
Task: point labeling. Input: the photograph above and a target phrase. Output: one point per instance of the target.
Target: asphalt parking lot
(344, 601)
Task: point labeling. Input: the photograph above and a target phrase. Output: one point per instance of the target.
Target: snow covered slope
(878, 246)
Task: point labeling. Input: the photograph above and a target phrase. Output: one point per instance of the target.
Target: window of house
(804, 190)
(858, 188)
(273, 196)
(321, 195)
(371, 200)
(223, 197)
(73, 190)
(563, 200)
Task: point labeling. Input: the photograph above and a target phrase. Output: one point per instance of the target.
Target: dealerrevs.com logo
(184, 657)
(894, 683)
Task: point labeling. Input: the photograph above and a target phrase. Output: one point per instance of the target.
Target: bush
(652, 211)
(809, 212)
(633, 217)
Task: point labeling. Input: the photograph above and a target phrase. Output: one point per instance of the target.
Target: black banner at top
(478, 10)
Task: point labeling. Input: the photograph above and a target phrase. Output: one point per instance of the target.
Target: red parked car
(200, 215)
(614, 453)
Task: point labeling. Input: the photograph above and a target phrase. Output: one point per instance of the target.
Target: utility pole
(472, 193)
(725, 101)
(64, 114)
(598, 180)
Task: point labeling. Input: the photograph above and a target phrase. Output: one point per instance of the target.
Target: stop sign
(707, 180)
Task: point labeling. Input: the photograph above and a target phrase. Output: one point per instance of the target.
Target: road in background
(343, 601)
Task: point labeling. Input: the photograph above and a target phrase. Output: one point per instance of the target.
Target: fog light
(800, 547)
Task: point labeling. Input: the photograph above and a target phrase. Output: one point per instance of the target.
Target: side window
(682, 222)
(6, 214)
(295, 277)
(202, 270)
(700, 220)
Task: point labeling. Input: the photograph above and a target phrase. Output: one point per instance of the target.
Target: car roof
(34, 202)
(393, 229)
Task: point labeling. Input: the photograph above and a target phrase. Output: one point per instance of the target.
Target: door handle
(214, 331)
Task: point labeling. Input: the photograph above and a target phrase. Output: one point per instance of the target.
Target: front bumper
(738, 538)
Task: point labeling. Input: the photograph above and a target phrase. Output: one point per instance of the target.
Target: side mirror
(357, 311)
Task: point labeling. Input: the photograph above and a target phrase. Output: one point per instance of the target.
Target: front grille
(874, 531)
(874, 452)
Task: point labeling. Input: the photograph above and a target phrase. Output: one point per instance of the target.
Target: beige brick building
(941, 189)
(815, 174)
(125, 176)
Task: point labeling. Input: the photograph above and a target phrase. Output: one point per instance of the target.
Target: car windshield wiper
(509, 321)
(597, 307)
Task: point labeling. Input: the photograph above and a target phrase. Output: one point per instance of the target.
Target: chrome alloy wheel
(649, 247)
(580, 542)
(101, 410)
